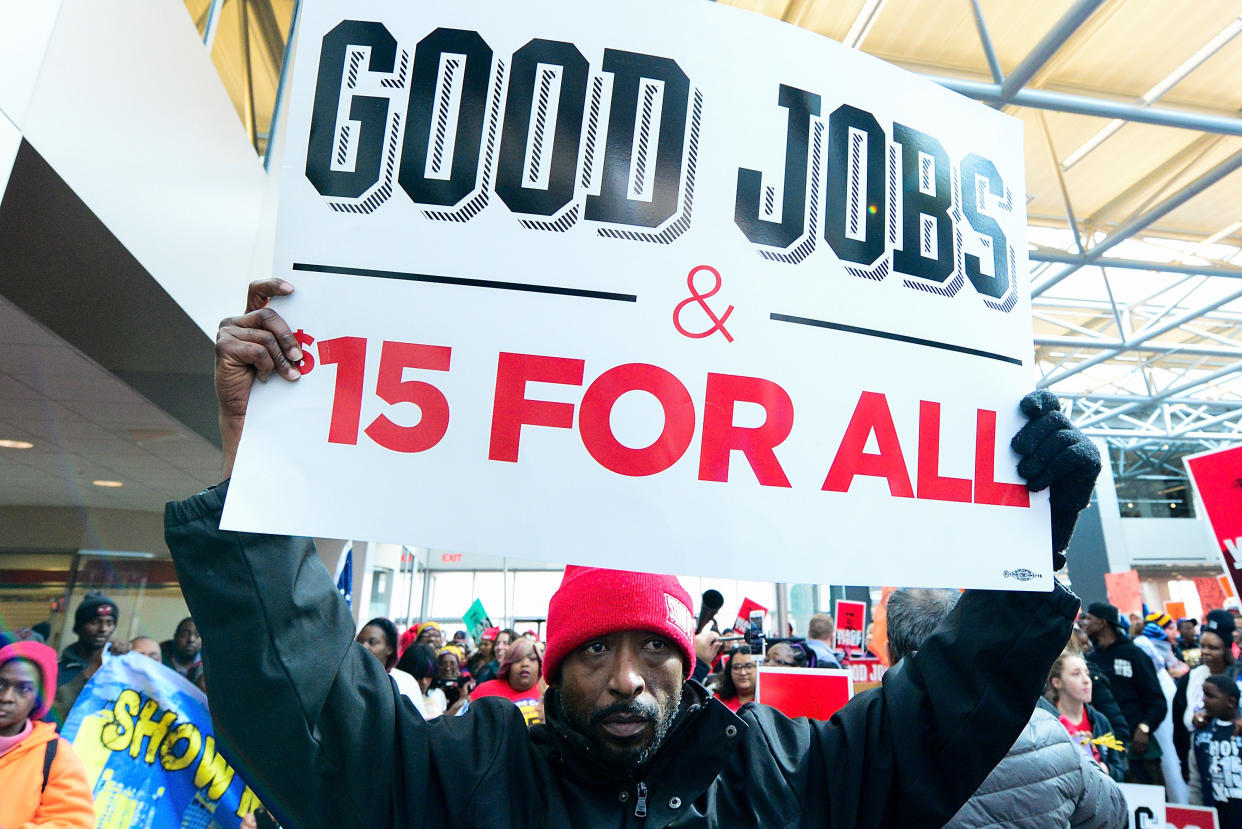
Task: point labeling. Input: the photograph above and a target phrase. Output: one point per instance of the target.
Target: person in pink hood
(43, 781)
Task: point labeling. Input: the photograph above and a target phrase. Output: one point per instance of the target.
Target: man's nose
(627, 677)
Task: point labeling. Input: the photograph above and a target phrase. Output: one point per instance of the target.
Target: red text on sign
(872, 416)
(349, 355)
(513, 409)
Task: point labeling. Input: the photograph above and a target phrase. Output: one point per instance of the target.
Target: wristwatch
(1144, 727)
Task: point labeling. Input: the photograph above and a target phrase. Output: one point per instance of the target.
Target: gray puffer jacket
(1045, 781)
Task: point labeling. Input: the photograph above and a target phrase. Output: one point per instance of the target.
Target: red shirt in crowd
(1081, 733)
(526, 701)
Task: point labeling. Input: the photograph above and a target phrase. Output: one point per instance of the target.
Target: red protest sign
(1217, 478)
(804, 692)
(743, 614)
(1213, 590)
(1124, 592)
(1190, 817)
(866, 671)
(851, 620)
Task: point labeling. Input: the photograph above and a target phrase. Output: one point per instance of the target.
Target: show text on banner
(145, 736)
(574, 286)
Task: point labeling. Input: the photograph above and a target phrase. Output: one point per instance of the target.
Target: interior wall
(129, 110)
(70, 528)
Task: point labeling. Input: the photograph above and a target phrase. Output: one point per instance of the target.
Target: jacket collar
(695, 750)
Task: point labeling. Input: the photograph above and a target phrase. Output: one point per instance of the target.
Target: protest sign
(1217, 480)
(1176, 610)
(1145, 804)
(866, 671)
(1211, 590)
(1190, 817)
(145, 737)
(476, 619)
(850, 621)
(748, 607)
(804, 692)
(564, 272)
(1124, 593)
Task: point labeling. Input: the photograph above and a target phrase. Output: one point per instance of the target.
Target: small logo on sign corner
(1021, 574)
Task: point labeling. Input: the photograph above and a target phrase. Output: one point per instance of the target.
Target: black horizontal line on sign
(889, 335)
(466, 282)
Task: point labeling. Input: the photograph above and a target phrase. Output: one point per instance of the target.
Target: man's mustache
(633, 708)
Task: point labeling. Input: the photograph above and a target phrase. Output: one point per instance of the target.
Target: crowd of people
(1155, 703)
(441, 679)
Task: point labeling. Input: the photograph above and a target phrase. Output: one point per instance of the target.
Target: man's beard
(621, 759)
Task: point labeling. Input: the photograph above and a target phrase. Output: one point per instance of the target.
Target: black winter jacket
(1133, 682)
(320, 733)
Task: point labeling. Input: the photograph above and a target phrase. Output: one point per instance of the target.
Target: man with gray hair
(1044, 780)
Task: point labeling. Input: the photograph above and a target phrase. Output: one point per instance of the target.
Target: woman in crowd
(1215, 657)
(481, 660)
(379, 636)
(1069, 690)
(455, 685)
(419, 661)
(42, 781)
(430, 633)
(519, 680)
(739, 679)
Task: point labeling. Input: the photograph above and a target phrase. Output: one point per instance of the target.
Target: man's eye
(595, 647)
(657, 644)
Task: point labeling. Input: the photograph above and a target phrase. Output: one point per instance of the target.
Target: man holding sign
(628, 738)
(554, 230)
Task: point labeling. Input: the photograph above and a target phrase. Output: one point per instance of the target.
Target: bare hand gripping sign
(661, 286)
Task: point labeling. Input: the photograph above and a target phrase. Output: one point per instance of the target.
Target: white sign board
(659, 285)
(1146, 805)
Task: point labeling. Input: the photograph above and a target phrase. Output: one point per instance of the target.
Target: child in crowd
(1218, 752)
(42, 781)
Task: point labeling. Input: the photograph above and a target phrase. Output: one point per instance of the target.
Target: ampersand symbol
(308, 362)
(695, 296)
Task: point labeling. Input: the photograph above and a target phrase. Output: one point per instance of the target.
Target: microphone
(710, 606)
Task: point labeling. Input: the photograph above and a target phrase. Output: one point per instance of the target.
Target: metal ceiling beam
(1087, 397)
(1150, 348)
(1061, 31)
(1134, 264)
(990, 93)
(1164, 396)
(1189, 437)
(1140, 337)
(1156, 178)
(986, 40)
(1138, 223)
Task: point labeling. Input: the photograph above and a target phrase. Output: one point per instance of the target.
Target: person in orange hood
(43, 781)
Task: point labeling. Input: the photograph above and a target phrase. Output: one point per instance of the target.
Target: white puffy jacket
(1043, 782)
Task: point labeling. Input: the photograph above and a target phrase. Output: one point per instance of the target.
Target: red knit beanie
(592, 601)
(44, 659)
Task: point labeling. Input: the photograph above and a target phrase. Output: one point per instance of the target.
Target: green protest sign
(476, 619)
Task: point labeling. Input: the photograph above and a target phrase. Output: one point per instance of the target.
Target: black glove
(1056, 454)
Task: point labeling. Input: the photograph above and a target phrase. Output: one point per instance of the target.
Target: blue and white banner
(145, 736)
